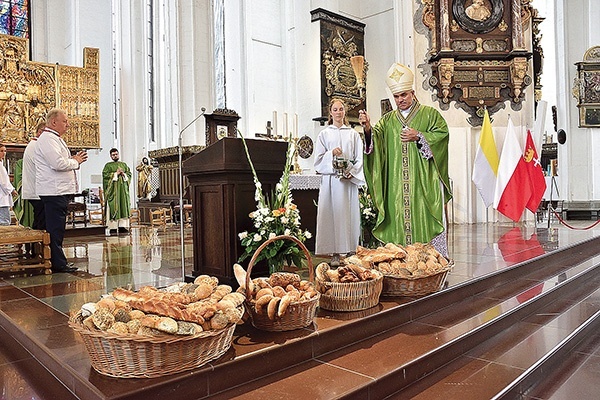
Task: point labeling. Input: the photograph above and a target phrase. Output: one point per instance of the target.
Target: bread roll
(188, 328)
(166, 324)
(103, 318)
(272, 307)
(219, 321)
(119, 327)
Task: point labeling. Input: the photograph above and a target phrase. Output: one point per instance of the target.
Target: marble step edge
(337, 338)
(540, 268)
(538, 372)
(302, 349)
(223, 375)
(403, 376)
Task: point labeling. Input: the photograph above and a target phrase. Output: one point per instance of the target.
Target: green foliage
(277, 215)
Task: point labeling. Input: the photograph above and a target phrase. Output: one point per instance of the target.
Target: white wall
(272, 63)
(578, 164)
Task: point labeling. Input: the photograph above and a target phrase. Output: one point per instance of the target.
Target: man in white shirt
(28, 181)
(56, 182)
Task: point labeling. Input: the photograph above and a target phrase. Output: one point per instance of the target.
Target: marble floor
(148, 256)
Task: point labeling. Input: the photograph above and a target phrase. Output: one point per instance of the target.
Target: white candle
(274, 123)
(286, 133)
(296, 126)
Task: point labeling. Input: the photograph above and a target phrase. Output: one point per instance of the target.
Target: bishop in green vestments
(406, 167)
(116, 176)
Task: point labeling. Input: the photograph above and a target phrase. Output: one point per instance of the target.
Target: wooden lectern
(222, 190)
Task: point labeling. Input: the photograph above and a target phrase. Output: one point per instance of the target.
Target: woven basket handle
(311, 272)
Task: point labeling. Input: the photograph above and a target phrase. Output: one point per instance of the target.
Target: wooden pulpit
(222, 189)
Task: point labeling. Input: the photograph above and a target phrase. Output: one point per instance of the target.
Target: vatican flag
(485, 168)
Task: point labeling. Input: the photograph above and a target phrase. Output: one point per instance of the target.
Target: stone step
(517, 358)
(263, 357)
(379, 365)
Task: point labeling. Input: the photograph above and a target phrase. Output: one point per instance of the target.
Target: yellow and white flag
(485, 167)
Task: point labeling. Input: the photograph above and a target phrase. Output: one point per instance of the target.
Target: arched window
(14, 17)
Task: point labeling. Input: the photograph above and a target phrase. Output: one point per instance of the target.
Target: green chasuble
(409, 190)
(116, 192)
(22, 208)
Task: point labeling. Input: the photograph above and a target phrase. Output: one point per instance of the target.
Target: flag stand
(550, 208)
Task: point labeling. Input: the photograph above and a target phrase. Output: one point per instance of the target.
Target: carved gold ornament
(28, 90)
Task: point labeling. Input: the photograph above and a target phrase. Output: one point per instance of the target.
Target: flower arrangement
(368, 218)
(276, 215)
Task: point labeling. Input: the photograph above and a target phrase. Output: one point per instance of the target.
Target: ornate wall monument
(586, 88)
(28, 90)
(478, 56)
(341, 39)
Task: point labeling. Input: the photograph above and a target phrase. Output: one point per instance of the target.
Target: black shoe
(113, 231)
(123, 230)
(64, 269)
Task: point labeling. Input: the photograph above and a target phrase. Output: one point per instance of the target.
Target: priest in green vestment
(116, 177)
(22, 208)
(406, 167)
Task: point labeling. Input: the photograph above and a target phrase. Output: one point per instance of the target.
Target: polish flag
(513, 187)
(536, 175)
(485, 167)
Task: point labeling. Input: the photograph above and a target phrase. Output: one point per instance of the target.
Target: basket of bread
(349, 287)
(413, 270)
(283, 301)
(152, 332)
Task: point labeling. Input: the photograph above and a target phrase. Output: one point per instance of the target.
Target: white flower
(272, 235)
(269, 219)
(243, 235)
(284, 220)
(279, 187)
(307, 234)
(287, 232)
(257, 237)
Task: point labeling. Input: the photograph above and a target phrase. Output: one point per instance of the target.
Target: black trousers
(39, 218)
(55, 209)
(39, 222)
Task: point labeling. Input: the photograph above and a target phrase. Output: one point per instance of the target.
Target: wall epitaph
(478, 56)
(586, 88)
(341, 39)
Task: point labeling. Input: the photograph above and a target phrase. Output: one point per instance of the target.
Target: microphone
(202, 111)
(182, 244)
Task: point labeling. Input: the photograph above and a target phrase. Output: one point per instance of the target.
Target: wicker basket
(136, 356)
(349, 296)
(298, 314)
(394, 285)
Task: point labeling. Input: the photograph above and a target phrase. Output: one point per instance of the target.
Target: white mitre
(399, 78)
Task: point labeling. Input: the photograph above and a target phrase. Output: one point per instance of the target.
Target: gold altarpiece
(29, 89)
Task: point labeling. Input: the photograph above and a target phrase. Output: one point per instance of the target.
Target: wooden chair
(168, 212)
(134, 218)
(77, 212)
(157, 218)
(97, 216)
